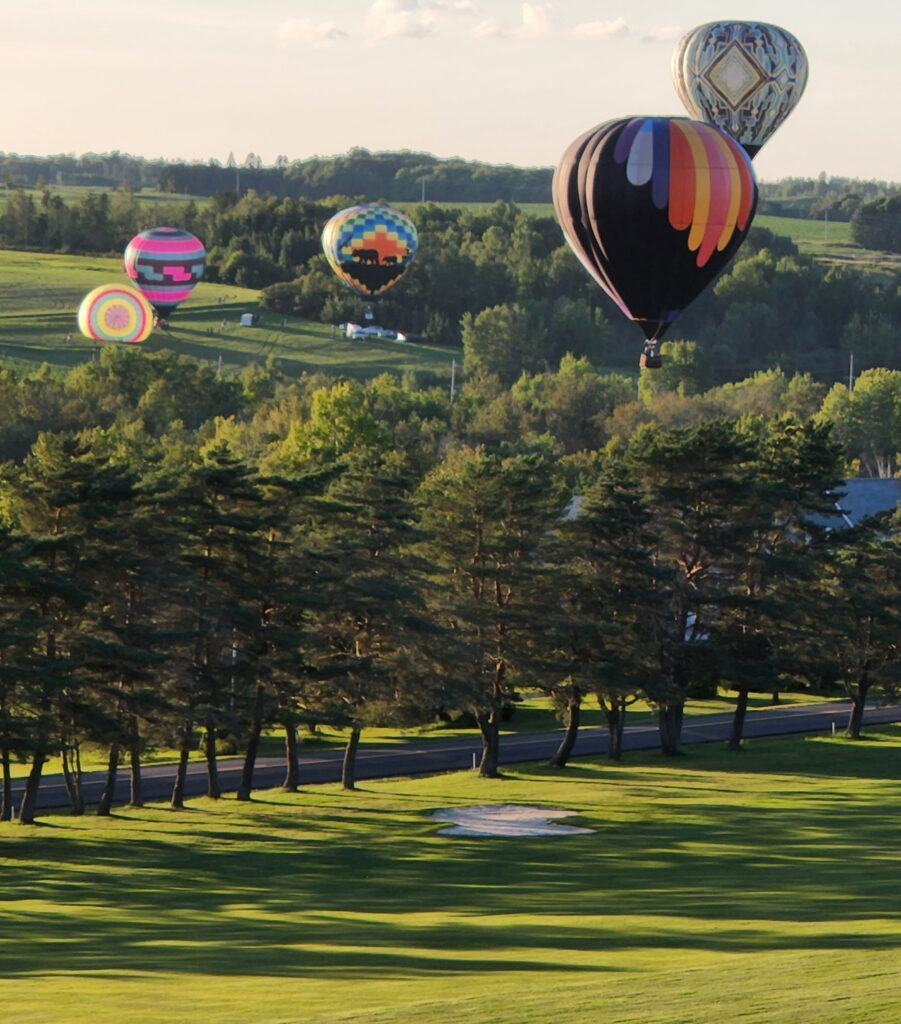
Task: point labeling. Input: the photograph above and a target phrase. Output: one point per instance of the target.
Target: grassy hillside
(759, 888)
(40, 294)
(76, 193)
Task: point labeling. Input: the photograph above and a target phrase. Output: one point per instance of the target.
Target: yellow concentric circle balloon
(115, 313)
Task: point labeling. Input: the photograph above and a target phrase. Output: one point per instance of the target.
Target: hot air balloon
(115, 313)
(369, 247)
(165, 264)
(654, 207)
(743, 76)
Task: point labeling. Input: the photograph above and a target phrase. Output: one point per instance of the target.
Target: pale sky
(499, 81)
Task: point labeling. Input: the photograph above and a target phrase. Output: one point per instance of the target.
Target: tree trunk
(490, 745)
(573, 718)
(209, 749)
(348, 768)
(669, 717)
(77, 776)
(178, 790)
(136, 788)
(253, 745)
(29, 798)
(738, 720)
(112, 768)
(6, 800)
(858, 701)
(292, 770)
(72, 778)
(615, 714)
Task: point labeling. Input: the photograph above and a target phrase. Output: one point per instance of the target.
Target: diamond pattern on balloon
(735, 75)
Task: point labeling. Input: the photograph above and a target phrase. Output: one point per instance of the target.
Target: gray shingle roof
(863, 497)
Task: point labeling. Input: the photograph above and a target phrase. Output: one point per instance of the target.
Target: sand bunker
(505, 820)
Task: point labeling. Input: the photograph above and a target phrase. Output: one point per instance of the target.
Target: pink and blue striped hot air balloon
(654, 208)
(165, 264)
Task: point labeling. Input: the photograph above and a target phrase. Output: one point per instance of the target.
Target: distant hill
(400, 177)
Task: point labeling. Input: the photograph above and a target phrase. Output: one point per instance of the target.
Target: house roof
(863, 497)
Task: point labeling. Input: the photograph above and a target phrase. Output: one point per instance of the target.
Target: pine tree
(859, 625)
(379, 648)
(695, 483)
(484, 516)
(213, 508)
(288, 588)
(756, 627)
(596, 634)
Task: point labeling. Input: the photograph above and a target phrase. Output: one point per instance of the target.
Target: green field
(76, 193)
(758, 888)
(40, 294)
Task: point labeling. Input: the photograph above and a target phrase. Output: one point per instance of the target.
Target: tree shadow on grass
(360, 894)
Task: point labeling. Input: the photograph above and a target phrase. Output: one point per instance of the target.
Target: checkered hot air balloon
(745, 77)
(654, 208)
(369, 247)
(165, 264)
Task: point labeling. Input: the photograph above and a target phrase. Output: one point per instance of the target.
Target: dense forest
(185, 554)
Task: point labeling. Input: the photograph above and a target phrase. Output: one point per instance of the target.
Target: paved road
(435, 756)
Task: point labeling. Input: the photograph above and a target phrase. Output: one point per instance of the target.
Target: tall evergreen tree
(62, 497)
(599, 641)
(380, 649)
(794, 474)
(695, 482)
(213, 507)
(860, 621)
(484, 516)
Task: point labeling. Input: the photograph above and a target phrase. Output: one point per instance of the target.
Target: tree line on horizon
(408, 177)
(188, 559)
(398, 175)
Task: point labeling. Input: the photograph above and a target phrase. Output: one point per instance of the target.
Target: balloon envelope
(743, 76)
(165, 264)
(654, 207)
(115, 313)
(369, 247)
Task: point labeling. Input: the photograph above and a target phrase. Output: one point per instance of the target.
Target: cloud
(619, 27)
(389, 19)
(601, 29)
(305, 30)
(488, 30)
(536, 20)
(663, 34)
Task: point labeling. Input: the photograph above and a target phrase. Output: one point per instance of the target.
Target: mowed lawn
(758, 888)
